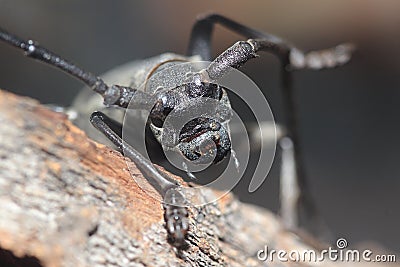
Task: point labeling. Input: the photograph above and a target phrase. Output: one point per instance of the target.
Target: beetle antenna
(34, 50)
(113, 95)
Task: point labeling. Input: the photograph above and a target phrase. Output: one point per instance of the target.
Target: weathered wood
(68, 201)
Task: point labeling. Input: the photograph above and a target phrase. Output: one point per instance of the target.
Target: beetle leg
(200, 37)
(289, 189)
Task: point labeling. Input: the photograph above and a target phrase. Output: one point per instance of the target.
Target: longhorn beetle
(198, 131)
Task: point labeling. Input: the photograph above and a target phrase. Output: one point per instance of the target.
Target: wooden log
(68, 201)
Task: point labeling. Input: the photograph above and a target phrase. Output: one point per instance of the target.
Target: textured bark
(68, 201)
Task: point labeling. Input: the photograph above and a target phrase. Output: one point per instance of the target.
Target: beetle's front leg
(174, 201)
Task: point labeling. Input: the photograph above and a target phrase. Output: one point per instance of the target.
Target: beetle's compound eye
(204, 140)
(162, 107)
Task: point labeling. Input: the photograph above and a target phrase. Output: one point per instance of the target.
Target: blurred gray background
(349, 116)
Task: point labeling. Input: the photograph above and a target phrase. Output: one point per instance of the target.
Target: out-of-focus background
(349, 116)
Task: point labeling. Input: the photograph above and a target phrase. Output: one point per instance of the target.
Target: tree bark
(68, 201)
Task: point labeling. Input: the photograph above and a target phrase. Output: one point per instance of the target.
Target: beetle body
(205, 137)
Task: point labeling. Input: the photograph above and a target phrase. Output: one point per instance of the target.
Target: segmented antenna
(34, 50)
